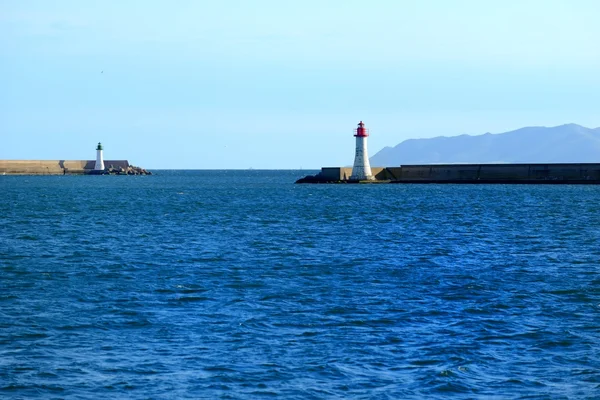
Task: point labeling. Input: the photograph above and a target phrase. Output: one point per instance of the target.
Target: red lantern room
(361, 131)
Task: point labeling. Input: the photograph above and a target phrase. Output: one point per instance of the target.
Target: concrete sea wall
(470, 173)
(54, 167)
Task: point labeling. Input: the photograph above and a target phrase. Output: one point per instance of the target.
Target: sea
(242, 285)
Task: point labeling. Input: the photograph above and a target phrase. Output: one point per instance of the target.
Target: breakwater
(577, 173)
(67, 167)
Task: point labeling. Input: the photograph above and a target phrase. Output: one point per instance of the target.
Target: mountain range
(570, 143)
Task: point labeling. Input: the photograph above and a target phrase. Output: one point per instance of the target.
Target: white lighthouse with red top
(361, 170)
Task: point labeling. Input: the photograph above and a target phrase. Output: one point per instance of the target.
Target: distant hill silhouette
(569, 143)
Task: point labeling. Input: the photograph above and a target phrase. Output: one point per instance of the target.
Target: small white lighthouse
(361, 170)
(99, 158)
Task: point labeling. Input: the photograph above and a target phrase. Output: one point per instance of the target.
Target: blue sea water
(242, 285)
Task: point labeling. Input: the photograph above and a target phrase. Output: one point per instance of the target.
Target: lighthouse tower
(361, 170)
(99, 158)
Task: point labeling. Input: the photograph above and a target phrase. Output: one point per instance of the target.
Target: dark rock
(131, 170)
(316, 179)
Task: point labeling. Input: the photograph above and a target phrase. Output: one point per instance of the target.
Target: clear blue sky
(281, 84)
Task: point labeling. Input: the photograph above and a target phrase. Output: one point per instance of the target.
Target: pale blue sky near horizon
(282, 84)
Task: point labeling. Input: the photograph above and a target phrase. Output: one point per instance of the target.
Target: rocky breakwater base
(130, 170)
(342, 175)
(321, 179)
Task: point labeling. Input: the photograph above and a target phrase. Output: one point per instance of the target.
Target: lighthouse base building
(361, 170)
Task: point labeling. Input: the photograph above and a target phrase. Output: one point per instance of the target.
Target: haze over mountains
(570, 143)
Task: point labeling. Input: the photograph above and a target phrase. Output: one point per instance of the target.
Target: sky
(279, 84)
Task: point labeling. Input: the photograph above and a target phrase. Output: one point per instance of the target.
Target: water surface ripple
(241, 285)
